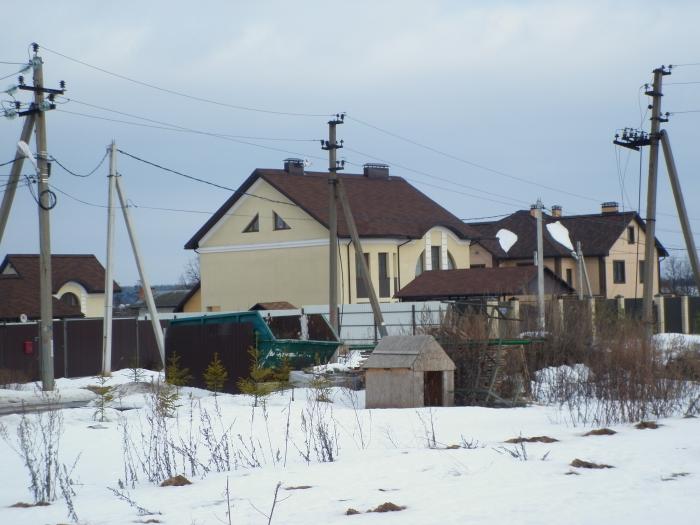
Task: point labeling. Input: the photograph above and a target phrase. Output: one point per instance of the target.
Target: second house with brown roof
(269, 240)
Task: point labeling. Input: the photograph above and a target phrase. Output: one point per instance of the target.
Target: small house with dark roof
(612, 243)
(78, 283)
(269, 240)
(498, 283)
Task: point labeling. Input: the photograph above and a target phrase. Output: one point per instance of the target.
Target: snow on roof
(506, 239)
(560, 233)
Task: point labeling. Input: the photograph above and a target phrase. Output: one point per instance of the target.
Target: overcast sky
(531, 89)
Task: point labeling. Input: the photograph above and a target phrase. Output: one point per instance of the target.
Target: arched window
(436, 260)
(70, 299)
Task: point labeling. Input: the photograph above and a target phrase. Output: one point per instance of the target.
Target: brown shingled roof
(388, 207)
(19, 292)
(470, 282)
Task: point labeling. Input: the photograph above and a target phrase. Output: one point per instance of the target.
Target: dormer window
(279, 222)
(253, 226)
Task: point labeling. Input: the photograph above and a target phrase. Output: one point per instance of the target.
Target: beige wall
(630, 254)
(91, 304)
(480, 255)
(240, 269)
(194, 303)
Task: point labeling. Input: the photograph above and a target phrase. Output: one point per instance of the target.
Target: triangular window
(279, 222)
(253, 226)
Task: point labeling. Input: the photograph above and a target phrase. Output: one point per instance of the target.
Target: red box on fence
(28, 347)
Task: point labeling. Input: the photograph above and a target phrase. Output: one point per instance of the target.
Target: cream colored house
(612, 243)
(269, 240)
(78, 282)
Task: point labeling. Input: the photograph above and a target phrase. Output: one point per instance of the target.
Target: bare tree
(190, 273)
(677, 277)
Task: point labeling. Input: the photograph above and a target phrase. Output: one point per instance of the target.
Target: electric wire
(8, 162)
(54, 159)
(186, 95)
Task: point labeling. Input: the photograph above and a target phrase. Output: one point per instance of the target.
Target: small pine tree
(260, 382)
(174, 373)
(105, 397)
(215, 375)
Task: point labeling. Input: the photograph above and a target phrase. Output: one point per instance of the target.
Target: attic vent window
(279, 222)
(253, 226)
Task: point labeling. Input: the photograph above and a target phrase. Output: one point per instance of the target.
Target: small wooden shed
(409, 372)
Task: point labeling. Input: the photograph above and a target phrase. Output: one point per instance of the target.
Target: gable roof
(382, 207)
(596, 232)
(19, 289)
(417, 352)
(469, 282)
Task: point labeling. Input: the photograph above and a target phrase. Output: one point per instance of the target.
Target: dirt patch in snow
(176, 481)
(534, 439)
(298, 487)
(644, 425)
(351, 512)
(388, 507)
(23, 505)
(600, 432)
(579, 463)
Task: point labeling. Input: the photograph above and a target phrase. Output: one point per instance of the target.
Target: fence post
(138, 356)
(560, 312)
(660, 314)
(515, 315)
(492, 313)
(620, 302)
(65, 348)
(591, 309)
(413, 318)
(685, 314)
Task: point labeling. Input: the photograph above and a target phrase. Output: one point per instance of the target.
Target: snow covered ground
(471, 476)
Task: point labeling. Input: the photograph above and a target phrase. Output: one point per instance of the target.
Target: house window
(435, 260)
(362, 292)
(478, 266)
(569, 277)
(630, 235)
(619, 272)
(641, 272)
(70, 299)
(253, 226)
(215, 308)
(396, 272)
(279, 222)
(384, 282)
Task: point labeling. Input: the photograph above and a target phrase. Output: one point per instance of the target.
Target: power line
(54, 159)
(8, 162)
(185, 95)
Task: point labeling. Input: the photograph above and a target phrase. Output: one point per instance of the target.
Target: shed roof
(417, 352)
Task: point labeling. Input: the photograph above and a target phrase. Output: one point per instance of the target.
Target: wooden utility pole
(540, 268)
(649, 248)
(109, 286)
(680, 206)
(46, 202)
(332, 145)
(15, 174)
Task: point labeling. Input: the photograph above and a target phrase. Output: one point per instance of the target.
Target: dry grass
(580, 463)
(600, 432)
(534, 439)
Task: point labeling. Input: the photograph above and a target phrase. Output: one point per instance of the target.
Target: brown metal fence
(78, 347)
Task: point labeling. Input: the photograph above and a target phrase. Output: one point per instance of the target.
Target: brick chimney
(294, 166)
(609, 207)
(556, 210)
(376, 171)
(533, 210)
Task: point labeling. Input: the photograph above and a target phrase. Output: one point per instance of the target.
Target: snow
(506, 239)
(560, 233)
(352, 360)
(382, 457)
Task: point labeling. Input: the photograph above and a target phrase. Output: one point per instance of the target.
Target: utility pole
(15, 174)
(540, 268)
(680, 206)
(331, 145)
(649, 264)
(109, 286)
(148, 294)
(579, 264)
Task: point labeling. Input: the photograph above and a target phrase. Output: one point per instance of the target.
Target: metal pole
(579, 264)
(680, 206)
(333, 228)
(46, 202)
(15, 173)
(109, 286)
(648, 289)
(540, 269)
(157, 330)
(360, 258)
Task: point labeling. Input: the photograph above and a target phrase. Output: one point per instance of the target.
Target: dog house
(409, 372)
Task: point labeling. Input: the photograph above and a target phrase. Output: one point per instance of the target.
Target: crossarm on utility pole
(15, 173)
(359, 255)
(155, 322)
(680, 205)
